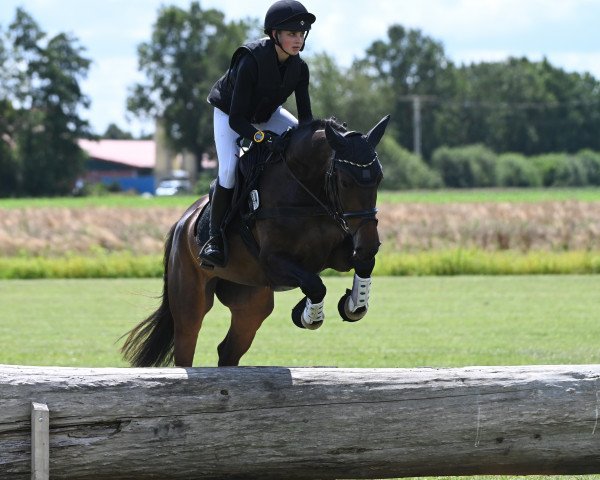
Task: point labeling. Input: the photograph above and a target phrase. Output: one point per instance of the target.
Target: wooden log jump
(303, 423)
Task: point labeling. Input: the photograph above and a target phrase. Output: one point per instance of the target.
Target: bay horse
(318, 207)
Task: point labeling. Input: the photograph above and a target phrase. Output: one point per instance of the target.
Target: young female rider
(248, 99)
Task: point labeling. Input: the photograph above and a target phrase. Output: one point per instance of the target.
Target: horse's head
(353, 177)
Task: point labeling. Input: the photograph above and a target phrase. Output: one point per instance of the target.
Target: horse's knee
(363, 268)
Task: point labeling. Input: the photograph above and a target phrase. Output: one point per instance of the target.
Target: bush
(404, 170)
(466, 167)
(547, 165)
(591, 163)
(561, 170)
(514, 170)
(571, 173)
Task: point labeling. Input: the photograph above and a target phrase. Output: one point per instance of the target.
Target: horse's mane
(307, 129)
(320, 123)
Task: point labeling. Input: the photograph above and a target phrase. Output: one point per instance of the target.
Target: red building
(127, 163)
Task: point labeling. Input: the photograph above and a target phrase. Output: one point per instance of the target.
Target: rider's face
(291, 42)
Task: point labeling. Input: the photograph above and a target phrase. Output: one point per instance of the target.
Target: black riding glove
(275, 143)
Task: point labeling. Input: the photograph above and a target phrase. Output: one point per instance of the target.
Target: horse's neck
(310, 158)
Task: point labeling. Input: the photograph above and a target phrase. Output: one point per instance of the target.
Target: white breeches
(225, 140)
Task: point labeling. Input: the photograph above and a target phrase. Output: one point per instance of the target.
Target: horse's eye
(345, 183)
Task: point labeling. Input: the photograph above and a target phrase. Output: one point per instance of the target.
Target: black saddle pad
(202, 225)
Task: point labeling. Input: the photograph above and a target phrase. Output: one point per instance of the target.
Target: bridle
(333, 194)
(333, 205)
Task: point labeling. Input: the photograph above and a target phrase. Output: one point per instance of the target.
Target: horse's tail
(150, 344)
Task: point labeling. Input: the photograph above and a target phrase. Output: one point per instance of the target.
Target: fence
(298, 423)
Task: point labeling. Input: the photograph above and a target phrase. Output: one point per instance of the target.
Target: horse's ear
(335, 139)
(375, 134)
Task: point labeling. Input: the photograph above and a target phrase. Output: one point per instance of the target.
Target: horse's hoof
(344, 311)
(297, 317)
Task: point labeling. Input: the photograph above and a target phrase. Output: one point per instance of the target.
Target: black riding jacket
(256, 84)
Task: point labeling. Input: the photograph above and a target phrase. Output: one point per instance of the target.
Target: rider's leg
(213, 251)
(279, 122)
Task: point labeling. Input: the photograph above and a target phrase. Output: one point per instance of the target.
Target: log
(303, 423)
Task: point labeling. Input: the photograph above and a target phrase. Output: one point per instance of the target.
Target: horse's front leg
(354, 304)
(284, 272)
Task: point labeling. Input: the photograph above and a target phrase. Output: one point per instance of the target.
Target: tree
(513, 105)
(188, 52)
(8, 162)
(528, 107)
(9, 167)
(44, 79)
(353, 95)
(113, 132)
(411, 63)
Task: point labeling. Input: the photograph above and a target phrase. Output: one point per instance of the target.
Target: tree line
(40, 103)
(527, 107)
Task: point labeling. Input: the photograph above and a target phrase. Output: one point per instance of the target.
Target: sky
(564, 31)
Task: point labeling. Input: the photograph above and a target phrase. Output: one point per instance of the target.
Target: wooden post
(40, 441)
(416, 99)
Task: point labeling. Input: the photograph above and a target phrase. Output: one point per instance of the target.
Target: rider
(248, 102)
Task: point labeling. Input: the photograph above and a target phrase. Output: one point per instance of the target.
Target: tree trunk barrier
(299, 423)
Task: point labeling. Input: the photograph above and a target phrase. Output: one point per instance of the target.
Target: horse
(317, 210)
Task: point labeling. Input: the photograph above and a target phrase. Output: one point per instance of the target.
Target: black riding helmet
(288, 15)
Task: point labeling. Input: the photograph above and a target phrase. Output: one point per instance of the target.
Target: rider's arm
(302, 96)
(239, 112)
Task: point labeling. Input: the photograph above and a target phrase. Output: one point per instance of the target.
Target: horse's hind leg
(249, 307)
(192, 299)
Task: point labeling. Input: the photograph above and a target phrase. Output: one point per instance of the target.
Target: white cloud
(569, 61)
(577, 61)
(476, 19)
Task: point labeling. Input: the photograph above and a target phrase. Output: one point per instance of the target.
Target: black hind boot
(213, 251)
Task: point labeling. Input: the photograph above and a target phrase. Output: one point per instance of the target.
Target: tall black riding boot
(213, 251)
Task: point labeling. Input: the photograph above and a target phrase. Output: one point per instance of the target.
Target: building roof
(134, 153)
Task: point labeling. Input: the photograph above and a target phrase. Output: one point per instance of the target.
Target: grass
(98, 265)
(389, 263)
(413, 321)
(113, 200)
(527, 195)
(490, 195)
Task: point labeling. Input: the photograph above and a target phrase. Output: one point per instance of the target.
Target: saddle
(245, 201)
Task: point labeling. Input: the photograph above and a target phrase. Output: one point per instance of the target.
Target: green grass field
(413, 321)
(526, 195)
